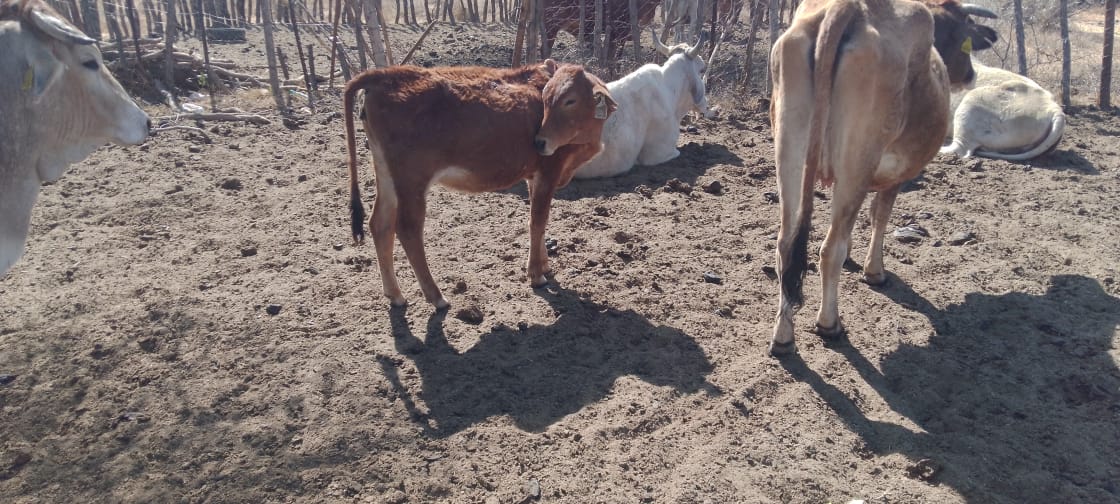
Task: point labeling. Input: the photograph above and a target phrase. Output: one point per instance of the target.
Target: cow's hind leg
(410, 228)
(873, 272)
(847, 197)
(790, 111)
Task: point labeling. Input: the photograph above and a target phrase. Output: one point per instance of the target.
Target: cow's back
(479, 119)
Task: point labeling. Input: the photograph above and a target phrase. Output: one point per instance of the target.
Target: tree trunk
(1020, 38)
(758, 9)
(1105, 98)
(581, 35)
(384, 32)
(1063, 8)
(169, 45)
(519, 39)
(91, 19)
(635, 32)
(134, 22)
(334, 40)
(773, 12)
(533, 35)
(597, 41)
(270, 53)
(375, 38)
(299, 52)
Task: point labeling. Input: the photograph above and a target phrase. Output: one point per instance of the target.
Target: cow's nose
(539, 143)
(149, 124)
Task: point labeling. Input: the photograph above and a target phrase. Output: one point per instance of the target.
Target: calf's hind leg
(410, 230)
(382, 225)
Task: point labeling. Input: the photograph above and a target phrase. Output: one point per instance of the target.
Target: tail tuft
(794, 275)
(357, 217)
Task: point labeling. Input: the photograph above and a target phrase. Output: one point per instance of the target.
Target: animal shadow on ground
(1064, 160)
(1016, 395)
(694, 161)
(538, 374)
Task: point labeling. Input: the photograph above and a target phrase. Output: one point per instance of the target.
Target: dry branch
(217, 116)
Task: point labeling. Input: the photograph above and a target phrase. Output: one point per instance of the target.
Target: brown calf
(861, 99)
(471, 129)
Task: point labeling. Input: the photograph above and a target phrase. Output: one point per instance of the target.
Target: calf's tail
(357, 211)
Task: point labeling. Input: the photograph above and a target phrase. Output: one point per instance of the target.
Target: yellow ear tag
(966, 47)
(28, 79)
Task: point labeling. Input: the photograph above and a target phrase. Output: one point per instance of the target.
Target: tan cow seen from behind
(471, 129)
(861, 101)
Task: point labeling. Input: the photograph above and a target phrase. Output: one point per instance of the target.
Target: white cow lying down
(59, 103)
(652, 100)
(1004, 116)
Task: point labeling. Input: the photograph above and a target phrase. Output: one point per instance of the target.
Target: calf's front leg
(541, 189)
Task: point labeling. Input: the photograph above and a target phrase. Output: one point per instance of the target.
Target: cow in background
(59, 104)
(471, 129)
(1004, 115)
(860, 100)
(652, 101)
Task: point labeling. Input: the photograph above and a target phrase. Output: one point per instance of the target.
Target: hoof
(875, 280)
(539, 281)
(398, 302)
(780, 349)
(835, 332)
(441, 304)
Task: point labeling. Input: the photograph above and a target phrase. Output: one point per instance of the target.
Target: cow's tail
(1057, 129)
(837, 20)
(357, 211)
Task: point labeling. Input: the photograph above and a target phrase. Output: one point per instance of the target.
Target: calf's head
(576, 104)
(64, 75)
(955, 36)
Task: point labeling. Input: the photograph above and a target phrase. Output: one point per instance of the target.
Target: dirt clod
(471, 315)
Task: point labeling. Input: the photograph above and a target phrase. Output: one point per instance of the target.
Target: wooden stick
(188, 128)
(299, 52)
(217, 116)
(334, 38)
(408, 57)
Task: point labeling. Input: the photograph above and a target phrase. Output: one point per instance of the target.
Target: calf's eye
(569, 102)
(91, 64)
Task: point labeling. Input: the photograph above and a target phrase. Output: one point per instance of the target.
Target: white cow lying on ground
(59, 104)
(1004, 116)
(652, 100)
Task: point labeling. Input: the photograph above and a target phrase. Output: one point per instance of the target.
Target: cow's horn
(661, 48)
(976, 10)
(695, 49)
(59, 29)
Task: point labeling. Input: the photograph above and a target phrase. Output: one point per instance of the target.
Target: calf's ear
(604, 103)
(549, 66)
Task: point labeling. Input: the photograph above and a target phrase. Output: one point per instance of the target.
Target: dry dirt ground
(151, 363)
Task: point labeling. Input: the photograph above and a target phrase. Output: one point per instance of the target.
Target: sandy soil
(190, 323)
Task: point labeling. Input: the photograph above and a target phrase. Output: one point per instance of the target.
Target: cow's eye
(569, 102)
(91, 64)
